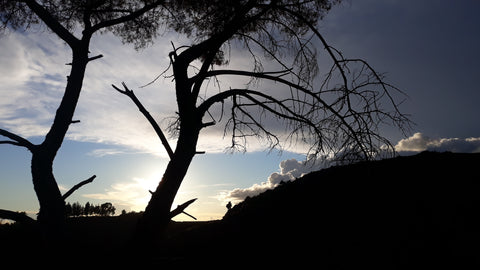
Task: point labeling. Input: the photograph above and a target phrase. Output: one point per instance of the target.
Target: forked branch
(16, 140)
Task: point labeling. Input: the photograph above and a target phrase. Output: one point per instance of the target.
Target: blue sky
(429, 49)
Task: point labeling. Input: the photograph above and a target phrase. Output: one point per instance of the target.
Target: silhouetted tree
(74, 22)
(107, 209)
(95, 210)
(77, 209)
(87, 209)
(338, 113)
(68, 209)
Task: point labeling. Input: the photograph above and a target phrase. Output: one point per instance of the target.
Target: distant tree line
(76, 209)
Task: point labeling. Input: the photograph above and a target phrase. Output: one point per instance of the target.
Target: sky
(428, 49)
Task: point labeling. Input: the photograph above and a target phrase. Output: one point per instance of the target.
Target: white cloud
(14, 60)
(30, 76)
(420, 142)
(35, 76)
(290, 170)
(101, 152)
(62, 188)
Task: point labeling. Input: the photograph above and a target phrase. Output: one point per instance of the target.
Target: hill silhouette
(420, 210)
(405, 212)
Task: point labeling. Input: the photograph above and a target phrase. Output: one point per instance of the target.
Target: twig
(95, 57)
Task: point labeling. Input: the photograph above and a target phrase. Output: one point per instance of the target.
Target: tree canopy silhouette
(74, 22)
(340, 111)
(76, 209)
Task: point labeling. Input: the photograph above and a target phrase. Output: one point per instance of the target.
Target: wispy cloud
(101, 152)
(29, 92)
(33, 85)
(131, 196)
(62, 188)
(33, 75)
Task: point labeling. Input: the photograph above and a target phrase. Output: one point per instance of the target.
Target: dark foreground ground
(404, 213)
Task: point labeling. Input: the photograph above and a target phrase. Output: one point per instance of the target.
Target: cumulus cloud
(290, 170)
(419, 142)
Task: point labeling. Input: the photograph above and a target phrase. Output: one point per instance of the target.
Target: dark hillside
(421, 210)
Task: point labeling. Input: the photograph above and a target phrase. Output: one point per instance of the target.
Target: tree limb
(16, 216)
(330, 107)
(181, 208)
(77, 186)
(52, 23)
(16, 140)
(131, 16)
(147, 115)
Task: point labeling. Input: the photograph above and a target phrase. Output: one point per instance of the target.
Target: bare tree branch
(16, 140)
(77, 186)
(52, 23)
(129, 93)
(341, 115)
(181, 208)
(131, 16)
(16, 216)
(359, 123)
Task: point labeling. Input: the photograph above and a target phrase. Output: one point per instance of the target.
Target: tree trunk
(157, 212)
(52, 206)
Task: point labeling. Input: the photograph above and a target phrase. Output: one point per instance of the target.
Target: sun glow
(132, 195)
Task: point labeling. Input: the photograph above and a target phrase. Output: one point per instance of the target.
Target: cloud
(62, 188)
(101, 152)
(419, 142)
(132, 196)
(290, 170)
(14, 60)
(30, 89)
(33, 74)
